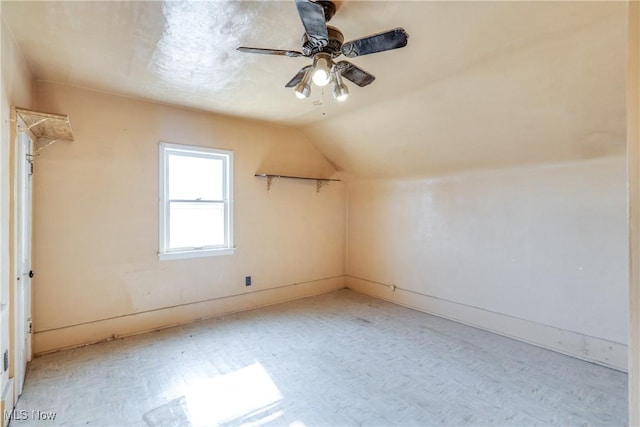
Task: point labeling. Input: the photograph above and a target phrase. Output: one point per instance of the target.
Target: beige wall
(16, 90)
(96, 221)
(537, 253)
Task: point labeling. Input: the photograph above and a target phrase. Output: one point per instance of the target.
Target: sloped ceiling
(549, 96)
(480, 84)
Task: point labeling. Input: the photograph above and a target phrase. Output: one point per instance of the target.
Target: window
(195, 201)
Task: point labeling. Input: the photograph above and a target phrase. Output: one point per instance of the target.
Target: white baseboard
(137, 323)
(597, 350)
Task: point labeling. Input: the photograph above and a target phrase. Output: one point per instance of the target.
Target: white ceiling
(480, 84)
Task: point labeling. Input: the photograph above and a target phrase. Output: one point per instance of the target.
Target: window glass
(196, 225)
(193, 178)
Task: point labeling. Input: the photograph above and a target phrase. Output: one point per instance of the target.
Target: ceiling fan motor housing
(333, 45)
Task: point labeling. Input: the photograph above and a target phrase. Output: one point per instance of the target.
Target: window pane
(193, 178)
(194, 225)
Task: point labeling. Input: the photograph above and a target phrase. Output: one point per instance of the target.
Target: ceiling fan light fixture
(321, 71)
(302, 92)
(341, 93)
(303, 89)
(340, 90)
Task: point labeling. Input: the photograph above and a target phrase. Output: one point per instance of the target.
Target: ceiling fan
(324, 43)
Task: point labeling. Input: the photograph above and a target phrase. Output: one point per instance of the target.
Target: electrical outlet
(247, 281)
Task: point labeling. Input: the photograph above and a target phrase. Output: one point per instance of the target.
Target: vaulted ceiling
(480, 84)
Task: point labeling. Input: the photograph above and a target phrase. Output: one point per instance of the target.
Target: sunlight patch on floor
(222, 399)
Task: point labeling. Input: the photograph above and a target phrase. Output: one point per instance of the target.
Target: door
(24, 171)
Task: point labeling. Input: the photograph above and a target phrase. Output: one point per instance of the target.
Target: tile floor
(338, 359)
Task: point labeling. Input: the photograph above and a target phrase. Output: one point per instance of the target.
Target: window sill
(195, 254)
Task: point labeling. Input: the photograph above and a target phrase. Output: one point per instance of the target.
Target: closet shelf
(320, 182)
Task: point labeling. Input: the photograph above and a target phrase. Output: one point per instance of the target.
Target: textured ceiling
(480, 84)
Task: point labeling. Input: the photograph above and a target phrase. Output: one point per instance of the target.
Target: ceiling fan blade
(312, 17)
(290, 53)
(388, 40)
(354, 74)
(298, 77)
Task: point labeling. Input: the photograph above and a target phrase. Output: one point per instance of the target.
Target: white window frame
(164, 220)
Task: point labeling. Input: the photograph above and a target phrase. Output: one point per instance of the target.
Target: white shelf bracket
(321, 183)
(270, 180)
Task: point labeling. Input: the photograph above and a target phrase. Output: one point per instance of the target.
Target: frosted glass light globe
(321, 72)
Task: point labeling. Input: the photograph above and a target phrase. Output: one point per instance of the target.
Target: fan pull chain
(320, 101)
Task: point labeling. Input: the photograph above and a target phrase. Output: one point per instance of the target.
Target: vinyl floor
(339, 359)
